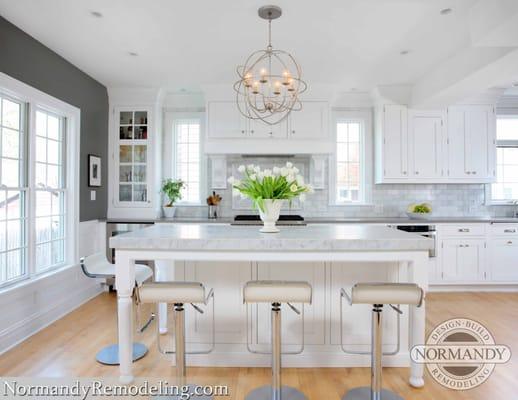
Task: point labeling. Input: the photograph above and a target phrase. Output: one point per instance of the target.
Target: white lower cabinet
(463, 259)
(314, 273)
(504, 259)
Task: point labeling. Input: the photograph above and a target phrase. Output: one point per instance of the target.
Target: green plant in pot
(171, 188)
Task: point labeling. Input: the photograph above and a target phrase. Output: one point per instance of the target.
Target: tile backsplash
(388, 200)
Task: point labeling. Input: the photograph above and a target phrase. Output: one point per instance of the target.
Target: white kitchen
(258, 201)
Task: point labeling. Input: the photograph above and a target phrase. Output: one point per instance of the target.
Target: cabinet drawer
(504, 229)
(464, 230)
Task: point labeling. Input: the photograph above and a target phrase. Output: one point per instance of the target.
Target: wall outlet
(92, 195)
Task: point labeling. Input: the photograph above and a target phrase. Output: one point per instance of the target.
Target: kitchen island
(329, 256)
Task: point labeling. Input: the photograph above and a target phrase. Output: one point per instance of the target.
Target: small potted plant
(269, 189)
(171, 188)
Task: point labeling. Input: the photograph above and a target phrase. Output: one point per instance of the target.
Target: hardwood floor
(67, 348)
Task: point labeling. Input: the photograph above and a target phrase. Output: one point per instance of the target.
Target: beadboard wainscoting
(33, 304)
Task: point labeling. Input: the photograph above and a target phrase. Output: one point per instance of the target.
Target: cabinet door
(457, 142)
(311, 122)
(260, 130)
(395, 142)
(426, 140)
(478, 120)
(227, 279)
(504, 259)
(463, 259)
(225, 121)
(314, 313)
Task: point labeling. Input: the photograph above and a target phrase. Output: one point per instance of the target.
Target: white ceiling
(185, 44)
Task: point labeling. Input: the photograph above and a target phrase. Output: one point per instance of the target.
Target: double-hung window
(349, 172)
(38, 182)
(187, 158)
(505, 189)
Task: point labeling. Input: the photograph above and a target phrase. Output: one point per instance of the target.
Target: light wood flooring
(67, 348)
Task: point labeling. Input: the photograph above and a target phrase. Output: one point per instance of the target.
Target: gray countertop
(329, 220)
(313, 237)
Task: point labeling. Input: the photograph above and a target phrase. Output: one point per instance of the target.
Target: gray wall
(24, 58)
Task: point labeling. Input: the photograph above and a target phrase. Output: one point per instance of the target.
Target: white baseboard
(32, 324)
(505, 288)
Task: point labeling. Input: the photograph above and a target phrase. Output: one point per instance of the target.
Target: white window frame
(36, 99)
(169, 166)
(511, 113)
(364, 116)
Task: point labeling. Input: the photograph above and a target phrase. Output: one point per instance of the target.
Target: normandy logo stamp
(460, 353)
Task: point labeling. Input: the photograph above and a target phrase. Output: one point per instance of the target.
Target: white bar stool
(276, 293)
(178, 294)
(97, 266)
(378, 294)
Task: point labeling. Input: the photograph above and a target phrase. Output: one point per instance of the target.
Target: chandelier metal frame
(272, 96)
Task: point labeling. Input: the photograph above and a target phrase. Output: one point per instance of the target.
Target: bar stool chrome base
(109, 355)
(181, 396)
(266, 393)
(364, 393)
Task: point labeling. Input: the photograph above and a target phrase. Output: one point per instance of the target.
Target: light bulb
(263, 74)
(255, 87)
(286, 77)
(248, 79)
(277, 88)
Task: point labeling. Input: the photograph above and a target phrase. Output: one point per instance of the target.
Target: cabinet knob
(252, 131)
(404, 172)
(293, 131)
(468, 172)
(242, 132)
(474, 172)
(417, 172)
(509, 242)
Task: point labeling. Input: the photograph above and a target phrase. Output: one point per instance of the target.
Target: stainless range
(284, 220)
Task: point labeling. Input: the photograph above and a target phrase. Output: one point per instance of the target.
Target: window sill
(351, 204)
(33, 280)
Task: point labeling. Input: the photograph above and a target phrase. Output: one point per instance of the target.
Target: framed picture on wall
(94, 170)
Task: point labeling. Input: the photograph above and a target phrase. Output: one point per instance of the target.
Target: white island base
(225, 266)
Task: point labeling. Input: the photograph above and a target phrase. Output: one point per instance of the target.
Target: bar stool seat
(386, 293)
(276, 293)
(379, 294)
(172, 292)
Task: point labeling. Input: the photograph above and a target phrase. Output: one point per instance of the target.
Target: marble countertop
(330, 220)
(313, 237)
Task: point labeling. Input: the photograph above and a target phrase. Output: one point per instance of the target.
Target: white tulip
(295, 170)
(257, 169)
(310, 189)
(237, 182)
(293, 187)
(260, 175)
(289, 165)
(290, 178)
(284, 171)
(253, 177)
(276, 171)
(241, 168)
(302, 197)
(250, 167)
(300, 180)
(231, 180)
(267, 172)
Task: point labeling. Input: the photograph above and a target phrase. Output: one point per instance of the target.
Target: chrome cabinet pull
(464, 230)
(509, 230)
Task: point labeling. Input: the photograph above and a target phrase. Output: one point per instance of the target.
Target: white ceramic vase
(270, 215)
(169, 211)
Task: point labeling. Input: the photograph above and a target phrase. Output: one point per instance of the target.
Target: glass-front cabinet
(132, 156)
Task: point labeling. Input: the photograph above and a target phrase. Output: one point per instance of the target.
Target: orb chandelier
(270, 81)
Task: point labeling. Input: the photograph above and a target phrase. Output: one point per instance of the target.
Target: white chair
(97, 266)
(276, 293)
(178, 294)
(378, 294)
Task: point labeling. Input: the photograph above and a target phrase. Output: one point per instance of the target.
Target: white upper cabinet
(415, 146)
(393, 141)
(302, 132)
(224, 121)
(310, 123)
(471, 143)
(426, 144)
